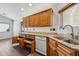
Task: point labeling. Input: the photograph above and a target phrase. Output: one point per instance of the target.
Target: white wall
(16, 27)
(4, 35)
(10, 10)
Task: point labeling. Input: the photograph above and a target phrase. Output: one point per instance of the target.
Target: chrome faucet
(72, 30)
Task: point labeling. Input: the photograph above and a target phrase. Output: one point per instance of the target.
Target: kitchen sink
(60, 37)
(67, 40)
(72, 42)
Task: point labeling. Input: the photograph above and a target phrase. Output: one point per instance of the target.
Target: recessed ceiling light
(22, 9)
(30, 4)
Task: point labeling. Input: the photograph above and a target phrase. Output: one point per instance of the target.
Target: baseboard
(43, 53)
(16, 44)
(40, 53)
(5, 38)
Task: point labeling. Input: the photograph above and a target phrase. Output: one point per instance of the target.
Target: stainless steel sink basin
(59, 37)
(72, 42)
(67, 40)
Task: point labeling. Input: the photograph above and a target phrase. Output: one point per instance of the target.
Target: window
(70, 15)
(4, 27)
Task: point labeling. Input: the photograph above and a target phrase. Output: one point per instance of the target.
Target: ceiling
(13, 10)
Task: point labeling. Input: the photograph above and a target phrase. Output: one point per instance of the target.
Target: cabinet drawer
(65, 49)
(14, 39)
(60, 51)
(52, 42)
(22, 35)
(30, 36)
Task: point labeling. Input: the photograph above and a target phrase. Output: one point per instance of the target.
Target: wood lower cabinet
(21, 42)
(25, 40)
(30, 43)
(57, 49)
(52, 51)
(30, 36)
(64, 51)
(52, 45)
(14, 39)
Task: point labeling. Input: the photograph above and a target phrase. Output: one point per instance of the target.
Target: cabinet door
(45, 18)
(49, 18)
(21, 42)
(14, 39)
(26, 21)
(52, 47)
(31, 20)
(36, 20)
(42, 19)
(52, 50)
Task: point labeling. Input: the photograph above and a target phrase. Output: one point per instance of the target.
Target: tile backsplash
(51, 29)
(39, 29)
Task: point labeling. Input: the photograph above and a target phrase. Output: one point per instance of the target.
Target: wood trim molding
(66, 7)
(40, 12)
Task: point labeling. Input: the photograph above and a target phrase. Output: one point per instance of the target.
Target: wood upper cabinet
(49, 17)
(45, 18)
(41, 19)
(31, 21)
(23, 22)
(36, 20)
(26, 21)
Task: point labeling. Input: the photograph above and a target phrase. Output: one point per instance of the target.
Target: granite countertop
(72, 46)
(51, 35)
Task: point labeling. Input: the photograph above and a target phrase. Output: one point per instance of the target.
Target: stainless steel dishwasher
(41, 44)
